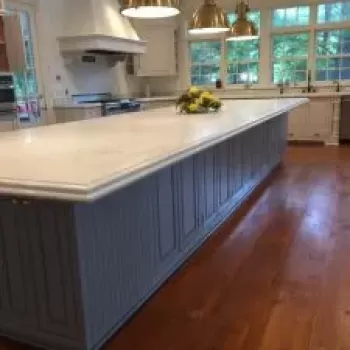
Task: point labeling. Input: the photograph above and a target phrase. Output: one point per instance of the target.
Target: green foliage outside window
(289, 51)
(292, 16)
(26, 81)
(205, 58)
(333, 55)
(290, 55)
(243, 61)
(333, 12)
(243, 57)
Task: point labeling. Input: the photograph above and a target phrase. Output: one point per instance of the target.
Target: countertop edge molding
(105, 186)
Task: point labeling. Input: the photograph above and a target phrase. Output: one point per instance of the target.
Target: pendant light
(242, 28)
(209, 19)
(150, 8)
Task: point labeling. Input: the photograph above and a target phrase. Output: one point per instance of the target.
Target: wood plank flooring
(276, 276)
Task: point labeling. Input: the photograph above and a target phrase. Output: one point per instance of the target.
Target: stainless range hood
(97, 26)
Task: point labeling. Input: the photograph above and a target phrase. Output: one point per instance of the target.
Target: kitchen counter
(96, 215)
(241, 96)
(225, 95)
(86, 160)
(254, 95)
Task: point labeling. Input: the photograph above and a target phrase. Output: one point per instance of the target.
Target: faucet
(309, 88)
(337, 85)
(280, 85)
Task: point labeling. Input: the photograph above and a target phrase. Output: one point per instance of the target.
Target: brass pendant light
(209, 19)
(243, 28)
(150, 8)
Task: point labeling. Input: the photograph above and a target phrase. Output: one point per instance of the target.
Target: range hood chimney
(98, 26)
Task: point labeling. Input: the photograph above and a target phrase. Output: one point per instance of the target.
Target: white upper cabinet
(160, 58)
(14, 43)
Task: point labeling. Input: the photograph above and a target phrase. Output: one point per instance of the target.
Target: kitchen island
(96, 215)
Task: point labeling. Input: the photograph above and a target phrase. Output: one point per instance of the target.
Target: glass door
(26, 82)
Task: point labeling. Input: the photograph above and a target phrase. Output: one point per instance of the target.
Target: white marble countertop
(249, 94)
(85, 160)
(255, 95)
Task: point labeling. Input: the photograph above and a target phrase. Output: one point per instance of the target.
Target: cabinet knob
(317, 134)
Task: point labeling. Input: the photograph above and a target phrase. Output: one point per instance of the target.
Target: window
(243, 61)
(205, 62)
(26, 82)
(292, 16)
(243, 57)
(333, 55)
(333, 12)
(290, 55)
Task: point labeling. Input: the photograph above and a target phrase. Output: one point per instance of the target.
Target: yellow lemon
(193, 90)
(193, 107)
(206, 94)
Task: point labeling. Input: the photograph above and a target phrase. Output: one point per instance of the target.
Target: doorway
(26, 81)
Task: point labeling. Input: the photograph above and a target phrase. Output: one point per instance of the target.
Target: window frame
(288, 58)
(247, 61)
(204, 39)
(286, 27)
(267, 30)
(31, 9)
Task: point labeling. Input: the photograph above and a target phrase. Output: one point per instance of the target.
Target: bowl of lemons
(195, 100)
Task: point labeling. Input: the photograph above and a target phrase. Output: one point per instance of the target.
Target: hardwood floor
(276, 276)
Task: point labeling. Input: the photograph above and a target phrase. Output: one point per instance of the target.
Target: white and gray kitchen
(149, 147)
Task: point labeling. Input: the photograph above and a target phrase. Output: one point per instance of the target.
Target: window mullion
(312, 41)
(223, 61)
(265, 47)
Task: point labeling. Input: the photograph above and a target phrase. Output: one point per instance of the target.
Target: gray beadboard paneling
(71, 274)
(39, 303)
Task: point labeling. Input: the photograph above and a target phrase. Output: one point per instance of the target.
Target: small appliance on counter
(110, 105)
(8, 113)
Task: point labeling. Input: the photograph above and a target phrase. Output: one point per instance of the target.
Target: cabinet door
(159, 59)
(188, 185)
(17, 301)
(14, 43)
(320, 119)
(297, 123)
(167, 250)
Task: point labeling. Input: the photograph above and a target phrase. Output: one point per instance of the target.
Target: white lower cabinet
(65, 115)
(312, 122)
(296, 122)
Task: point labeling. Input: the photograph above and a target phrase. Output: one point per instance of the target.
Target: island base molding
(71, 273)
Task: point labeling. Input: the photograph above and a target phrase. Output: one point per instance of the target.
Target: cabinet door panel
(188, 186)
(159, 59)
(223, 170)
(320, 118)
(17, 302)
(209, 185)
(167, 240)
(297, 123)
